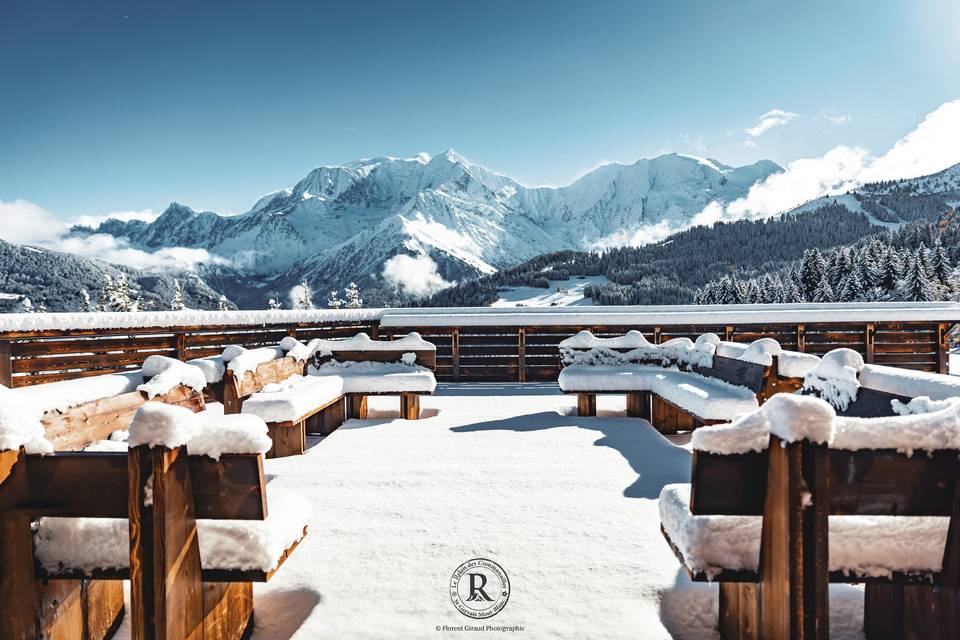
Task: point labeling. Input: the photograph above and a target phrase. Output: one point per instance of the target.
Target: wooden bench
(762, 522)
(409, 381)
(84, 608)
(673, 399)
(159, 493)
(876, 387)
(288, 434)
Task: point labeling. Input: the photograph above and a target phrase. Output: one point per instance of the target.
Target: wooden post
(166, 592)
(868, 341)
(357, 406)
(943, 348)
(801, 338)
(292, 331)
(6, 364)
(656, 335)
(793, 544)
(586, 404)
(409, 406)
(739, 611)
(638, 404)
(19, 592)
(728, 333)
(521, 354)
(180, 345)
(455, 352)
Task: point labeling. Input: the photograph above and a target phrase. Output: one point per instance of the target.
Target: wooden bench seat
(775, 522)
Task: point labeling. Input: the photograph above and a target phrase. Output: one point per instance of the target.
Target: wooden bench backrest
(874, 482)
(87, 423)
(739, 372)
(425, 357)
(236, 388)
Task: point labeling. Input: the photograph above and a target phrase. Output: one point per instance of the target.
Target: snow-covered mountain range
(345, 223)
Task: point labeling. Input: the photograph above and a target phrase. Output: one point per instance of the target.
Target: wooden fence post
(868, 341)
(943, 348)
(801, 338)
(522, 354)
(656, 335)
(728, 333)
(455, 352)
(180, 345)
(6, 364)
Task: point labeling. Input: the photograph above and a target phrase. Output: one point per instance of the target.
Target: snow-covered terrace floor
(567, 505)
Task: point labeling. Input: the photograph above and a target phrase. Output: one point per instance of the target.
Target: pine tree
(891, 269)
(85, 301)
(851, 288)
(812, 270)
(823, 292)
(177, 303)
(304, 296)
(915, 285)
(940, 268)
(274, 305)
(352, 295)
(41, 308)
(841, 263)
(334, 301)
(792, 292)
(223, 304)
(118, 293)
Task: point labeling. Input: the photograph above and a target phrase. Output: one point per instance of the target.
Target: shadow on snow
(656, 461)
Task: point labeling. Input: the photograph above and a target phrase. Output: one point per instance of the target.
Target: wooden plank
(19, 591)
(95, 485)
(586, 404)
(739, 611)
(409, 406)
(869, 482)
(287, 440)
(638, 404)
(357, 406)
(227, 610)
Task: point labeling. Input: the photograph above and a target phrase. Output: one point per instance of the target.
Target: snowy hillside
(343, 223)
(55, 280)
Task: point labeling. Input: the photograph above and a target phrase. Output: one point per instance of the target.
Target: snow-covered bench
(791, 497)
(870, 390)
(711, 388)
(367, 367)
(183, 515)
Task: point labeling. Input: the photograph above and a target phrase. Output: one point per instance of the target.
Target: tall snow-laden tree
(85, 304)
(222, 303)
(177, 303)
(940, 268)
(851, 288)
(812, 270)
(823, 292)
(304, 295)
(915, 285)
(274, 304)
(352, 295)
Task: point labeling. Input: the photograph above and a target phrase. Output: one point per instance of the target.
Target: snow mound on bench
(240, 360)
(586, 340)
(88, 544)
(931, 431)
(761, 351)
(302, 352)
(165, 373)
(157, 424)
(20, 427)
(60, 396)
(750, 432)
(293, 398)
(377, 377)
(603, 351)
(794, 418)
(872, 546)
(362, 342)
(909, 383)
(237, 433)
(835, 378)
(790, 364)
(213, 367)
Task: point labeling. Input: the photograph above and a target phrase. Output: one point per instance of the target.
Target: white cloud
(646, 234)
(933, 146)
(694, 142)
(769, 120)
(93, 221)
(414, 275)
(833, 117)
(23, 222)
(750, 144)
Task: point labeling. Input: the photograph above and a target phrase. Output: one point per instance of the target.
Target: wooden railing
(476, 345)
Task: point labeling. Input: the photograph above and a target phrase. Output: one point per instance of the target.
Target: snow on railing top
(487, 316)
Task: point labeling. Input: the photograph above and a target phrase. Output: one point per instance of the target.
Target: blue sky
(122, 106)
